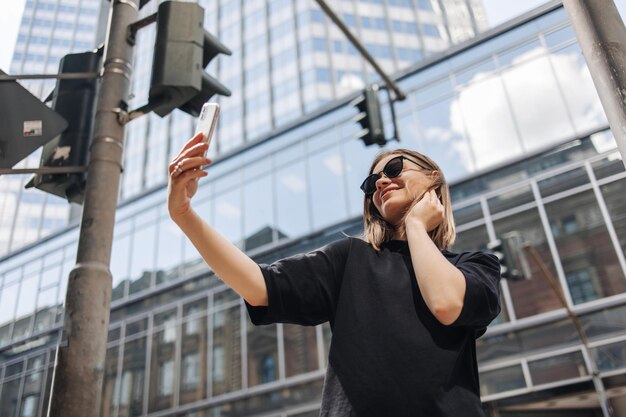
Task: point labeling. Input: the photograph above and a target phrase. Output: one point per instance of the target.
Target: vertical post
(602, 37)
(79, 368)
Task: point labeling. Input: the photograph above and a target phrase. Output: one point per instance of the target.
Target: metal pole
(595, 374)
(602, 37)
(389, 83)
(79, 368)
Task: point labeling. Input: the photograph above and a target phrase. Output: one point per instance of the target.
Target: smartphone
(207, 121)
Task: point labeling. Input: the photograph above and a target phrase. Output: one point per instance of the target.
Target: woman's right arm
(228, 262)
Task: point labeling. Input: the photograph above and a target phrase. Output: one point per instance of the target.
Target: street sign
(26, 123)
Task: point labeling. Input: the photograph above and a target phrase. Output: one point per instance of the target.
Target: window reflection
(258, 212)
(194, 347)
(162, 371)
(533, 295)
(262, 354)
(142, 258)
(292, 207)
(326, 171)
(501, 380)
(132, 378)
(488, 124)
(169, 251)
(228, 216)
(556, 368)
(300, 349)
(226, 351)
(589, 260)
(444, 138)
(119, 265)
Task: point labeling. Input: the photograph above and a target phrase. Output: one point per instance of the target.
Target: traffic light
(182, 50)
(509, 250)
(74, 100)
(370, 117)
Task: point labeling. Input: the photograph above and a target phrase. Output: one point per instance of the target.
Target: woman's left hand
(427, 212)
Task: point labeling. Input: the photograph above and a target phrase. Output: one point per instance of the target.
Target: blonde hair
(377, 230)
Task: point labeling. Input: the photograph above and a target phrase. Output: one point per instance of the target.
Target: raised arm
(442, 285)
(233, 266)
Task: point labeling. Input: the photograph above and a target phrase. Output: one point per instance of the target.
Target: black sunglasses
(392, 169)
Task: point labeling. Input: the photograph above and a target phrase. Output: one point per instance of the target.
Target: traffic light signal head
(182, 50)
(74, 100)
(370, 118)
(509, 251)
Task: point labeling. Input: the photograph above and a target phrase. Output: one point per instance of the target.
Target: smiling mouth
(387, 193)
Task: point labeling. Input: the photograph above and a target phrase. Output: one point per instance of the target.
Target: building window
(166, 379)
(169, 330)
(191, 371)
(29, 406)
(581, 286)
(267, 371)
(218, 364)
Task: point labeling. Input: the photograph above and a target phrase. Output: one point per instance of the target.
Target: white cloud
(482, 110)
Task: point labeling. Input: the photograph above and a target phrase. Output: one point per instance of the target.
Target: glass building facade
(49, 29)
(514, 122)
(287, 61)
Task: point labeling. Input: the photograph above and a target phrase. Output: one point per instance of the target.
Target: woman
(404, 311)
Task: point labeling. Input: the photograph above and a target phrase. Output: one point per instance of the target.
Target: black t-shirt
(391, 355)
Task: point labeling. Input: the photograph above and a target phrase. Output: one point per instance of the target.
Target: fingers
(188, 164)
(197, 138)
(195, 153)
(192, 174)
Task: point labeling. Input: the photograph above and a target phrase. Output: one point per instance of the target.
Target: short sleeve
(482, 292)
(303, 289)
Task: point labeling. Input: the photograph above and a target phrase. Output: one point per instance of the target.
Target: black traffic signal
(510, 252)
(182, 50)
(370, 117)
(74, 100)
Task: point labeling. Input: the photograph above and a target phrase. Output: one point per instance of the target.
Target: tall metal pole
(602, 37)
(79, 369)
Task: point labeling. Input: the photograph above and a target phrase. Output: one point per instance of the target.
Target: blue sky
(498, 11)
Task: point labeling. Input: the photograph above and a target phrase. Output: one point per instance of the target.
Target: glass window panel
(169, 251)
(577, 87)
(193, 372)
(109, 396)
(300, 349)
(9, 398)
(258, 212)
(50, 275)
(610, 357)
(226, 352)
(132, 381)
(47, 309)
(502, 380)
(8, 298)
(224, 297)
(326, 171)
(444, 137)
(589, 260)
(511, 199)
(136, 326)
(616, 206)
(142, 258)
(611, 165)
(120, 256)
(534, 295)
(291, 199)
(228, 218)
(533, 93)
(262, 354)
(557, 368)
(565, 181)
(26, 301)
(162, 367)
(488, 124)
(29, 406)
(467, 214)
(357, 160)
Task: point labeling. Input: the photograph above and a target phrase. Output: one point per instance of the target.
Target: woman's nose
(382, 181)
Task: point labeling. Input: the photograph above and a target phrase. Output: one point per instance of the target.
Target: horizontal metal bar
(68, 76)
(49, 170)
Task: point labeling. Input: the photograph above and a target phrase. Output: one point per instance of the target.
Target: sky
(498, 11)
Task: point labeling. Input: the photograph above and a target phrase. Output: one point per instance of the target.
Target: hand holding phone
(207, 121)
